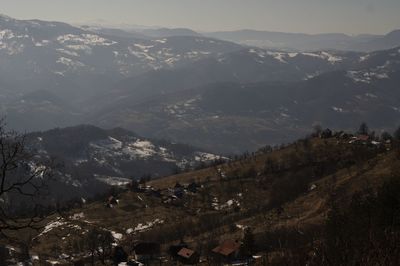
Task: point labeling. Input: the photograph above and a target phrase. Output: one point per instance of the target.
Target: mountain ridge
(94, 159)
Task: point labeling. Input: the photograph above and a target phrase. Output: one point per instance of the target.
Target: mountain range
(188, 88)
(276, 40)
(307, 42)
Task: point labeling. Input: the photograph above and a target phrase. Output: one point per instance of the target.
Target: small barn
(188, 256)
(228, 250)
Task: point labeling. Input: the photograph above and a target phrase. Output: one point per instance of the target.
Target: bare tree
(99, 242)
(22, 182)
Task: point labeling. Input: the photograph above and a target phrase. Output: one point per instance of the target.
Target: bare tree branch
(22, 181)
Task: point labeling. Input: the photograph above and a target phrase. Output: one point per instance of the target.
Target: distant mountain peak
(5, 17)
(393, 33)
(169, 32)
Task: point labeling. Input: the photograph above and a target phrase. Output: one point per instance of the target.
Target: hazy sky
(311, 16)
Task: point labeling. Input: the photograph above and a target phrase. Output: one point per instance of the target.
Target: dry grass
(305, 211)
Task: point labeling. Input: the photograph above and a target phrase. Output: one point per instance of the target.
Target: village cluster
(148, 253)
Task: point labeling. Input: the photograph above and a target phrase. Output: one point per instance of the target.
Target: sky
(308, 16)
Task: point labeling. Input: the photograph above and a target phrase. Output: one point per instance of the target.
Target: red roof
(186, 253)
(227, 247)
(363, 137)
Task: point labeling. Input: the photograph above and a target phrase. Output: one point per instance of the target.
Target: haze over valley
(217, 138)
(176, 84)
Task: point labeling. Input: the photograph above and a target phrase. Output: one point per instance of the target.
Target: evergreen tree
(396, 134)
(363, 129)
(317, 130)
(386, 136)
(248, 244)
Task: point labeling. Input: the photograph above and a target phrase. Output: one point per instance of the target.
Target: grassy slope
(267, 202)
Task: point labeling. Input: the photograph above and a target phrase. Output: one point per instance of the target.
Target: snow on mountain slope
(116, 152)
(88, 160)
(75, 64)
(128, 56)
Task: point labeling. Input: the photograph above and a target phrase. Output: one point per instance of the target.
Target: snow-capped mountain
(73, 64)
(338, 90)
(54, 75)
(57, 56)
(247, 65)
(71, 49)
(93, 159)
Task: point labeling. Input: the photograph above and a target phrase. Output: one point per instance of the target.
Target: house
(174, 249)
(147, 251)
(228, 250)
(192, 187)
(341, 135)
(363, 138)
(135, 187)
(188, 256)
(111, 202)
(360, 139)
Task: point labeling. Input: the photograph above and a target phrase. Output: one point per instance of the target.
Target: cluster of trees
(98, 243)
(367, 232)
(364, 231)
(363, 129)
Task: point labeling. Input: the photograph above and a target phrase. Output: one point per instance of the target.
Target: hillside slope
(283, 195)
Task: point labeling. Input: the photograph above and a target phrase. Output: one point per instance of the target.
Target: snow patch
(117, 236)
(370, 95)
(86, 39)
(204, 156)
(338, 109)
(325, 56)
(77, 216)
(69, 62)
(113, 181)
(144, 227)
(161, 41)
(67, 52)
(58, 222)
(278, 56)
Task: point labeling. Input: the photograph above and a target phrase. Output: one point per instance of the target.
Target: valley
(123, 144)
(177, 86)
